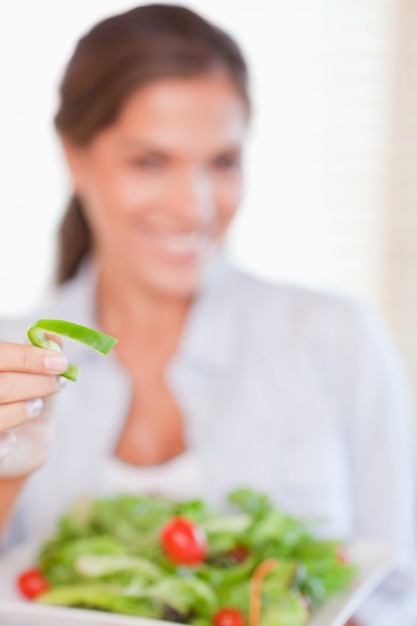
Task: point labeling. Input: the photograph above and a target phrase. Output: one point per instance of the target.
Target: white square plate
(374, 562)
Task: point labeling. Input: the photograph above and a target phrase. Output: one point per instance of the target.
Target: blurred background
(331, 193)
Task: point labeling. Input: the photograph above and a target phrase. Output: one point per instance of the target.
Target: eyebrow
(151, 147)
(138, 143)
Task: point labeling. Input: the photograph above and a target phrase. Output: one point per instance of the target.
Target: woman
(218, 379)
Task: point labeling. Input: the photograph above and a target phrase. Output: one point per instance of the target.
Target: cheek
(134, 192)
(228, 197)
(113, 198)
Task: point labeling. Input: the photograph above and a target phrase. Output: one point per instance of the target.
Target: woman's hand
(28, 377)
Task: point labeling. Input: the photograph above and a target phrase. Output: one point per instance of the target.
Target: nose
(192, 200)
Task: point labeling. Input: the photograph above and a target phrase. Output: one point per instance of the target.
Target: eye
(227, 162)
(149, 162)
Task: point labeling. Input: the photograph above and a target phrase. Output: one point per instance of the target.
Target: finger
(17, 413)
(17, 358)
(16, 387)
(58, 340)
(7, 442)
(55, 338)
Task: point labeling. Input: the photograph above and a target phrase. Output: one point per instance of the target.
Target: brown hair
(112, 60)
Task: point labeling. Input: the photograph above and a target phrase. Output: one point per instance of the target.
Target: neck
(127, 308)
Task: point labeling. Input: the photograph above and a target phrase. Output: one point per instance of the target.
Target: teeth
(183, 244)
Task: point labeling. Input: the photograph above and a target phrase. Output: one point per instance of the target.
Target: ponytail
(74, 241)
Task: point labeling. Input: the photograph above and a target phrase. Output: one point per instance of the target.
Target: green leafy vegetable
(107, 555)
(37, 334)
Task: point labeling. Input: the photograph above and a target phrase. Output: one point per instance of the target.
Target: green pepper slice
(93, 338)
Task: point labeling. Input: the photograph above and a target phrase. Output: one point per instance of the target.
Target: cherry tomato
(32, 583)
(229, 616)
(183, 541)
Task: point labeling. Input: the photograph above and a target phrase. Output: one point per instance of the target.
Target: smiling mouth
(182, 247)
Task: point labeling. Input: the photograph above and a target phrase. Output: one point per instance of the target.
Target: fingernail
(61, 383)
(34, 407)
(55, 363)
(7, 442)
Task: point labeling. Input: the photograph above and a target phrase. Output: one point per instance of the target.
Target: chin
(174, 283)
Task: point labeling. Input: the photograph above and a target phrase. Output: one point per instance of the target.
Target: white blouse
(179, 478)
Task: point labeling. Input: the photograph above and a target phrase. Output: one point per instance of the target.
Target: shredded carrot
(255, 597)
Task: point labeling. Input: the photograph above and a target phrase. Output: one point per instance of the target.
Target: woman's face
(162, 183)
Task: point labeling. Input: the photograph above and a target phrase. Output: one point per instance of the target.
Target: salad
(185, 562)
